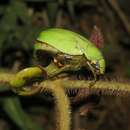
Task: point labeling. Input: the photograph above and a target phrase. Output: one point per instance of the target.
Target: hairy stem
(62, 105)
(103, 87)
(5, 78)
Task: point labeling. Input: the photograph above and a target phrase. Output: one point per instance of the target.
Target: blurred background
(20, 23)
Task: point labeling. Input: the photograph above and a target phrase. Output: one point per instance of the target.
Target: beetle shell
(69, 42)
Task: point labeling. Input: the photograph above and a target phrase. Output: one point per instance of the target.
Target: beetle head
(96, 59)
(99, 66)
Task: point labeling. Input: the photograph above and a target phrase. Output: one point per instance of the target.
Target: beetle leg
(58, 63)
(58, 71)
(65, 68)
(94, 74)
(53, 69)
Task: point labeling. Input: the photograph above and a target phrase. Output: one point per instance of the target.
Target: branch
(114, 88)
(121, 15)
(5, 78)
(104, 87)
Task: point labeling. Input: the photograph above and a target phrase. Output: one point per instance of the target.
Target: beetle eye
(97, 65)
(44, 58)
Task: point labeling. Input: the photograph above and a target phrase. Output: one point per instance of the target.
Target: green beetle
(68, 51)
(59, 50)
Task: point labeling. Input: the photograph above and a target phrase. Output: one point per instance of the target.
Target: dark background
(22, 20)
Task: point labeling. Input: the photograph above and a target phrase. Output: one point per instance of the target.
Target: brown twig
(120, 14)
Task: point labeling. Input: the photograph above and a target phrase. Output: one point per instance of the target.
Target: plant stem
(62, 105)
(103, 87)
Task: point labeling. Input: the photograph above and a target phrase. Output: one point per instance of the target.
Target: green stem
(106, 87)
(5, 77)
(62, 105)
(19, 81)
(23, 76)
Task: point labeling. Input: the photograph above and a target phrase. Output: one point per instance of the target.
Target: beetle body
(73, 44)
